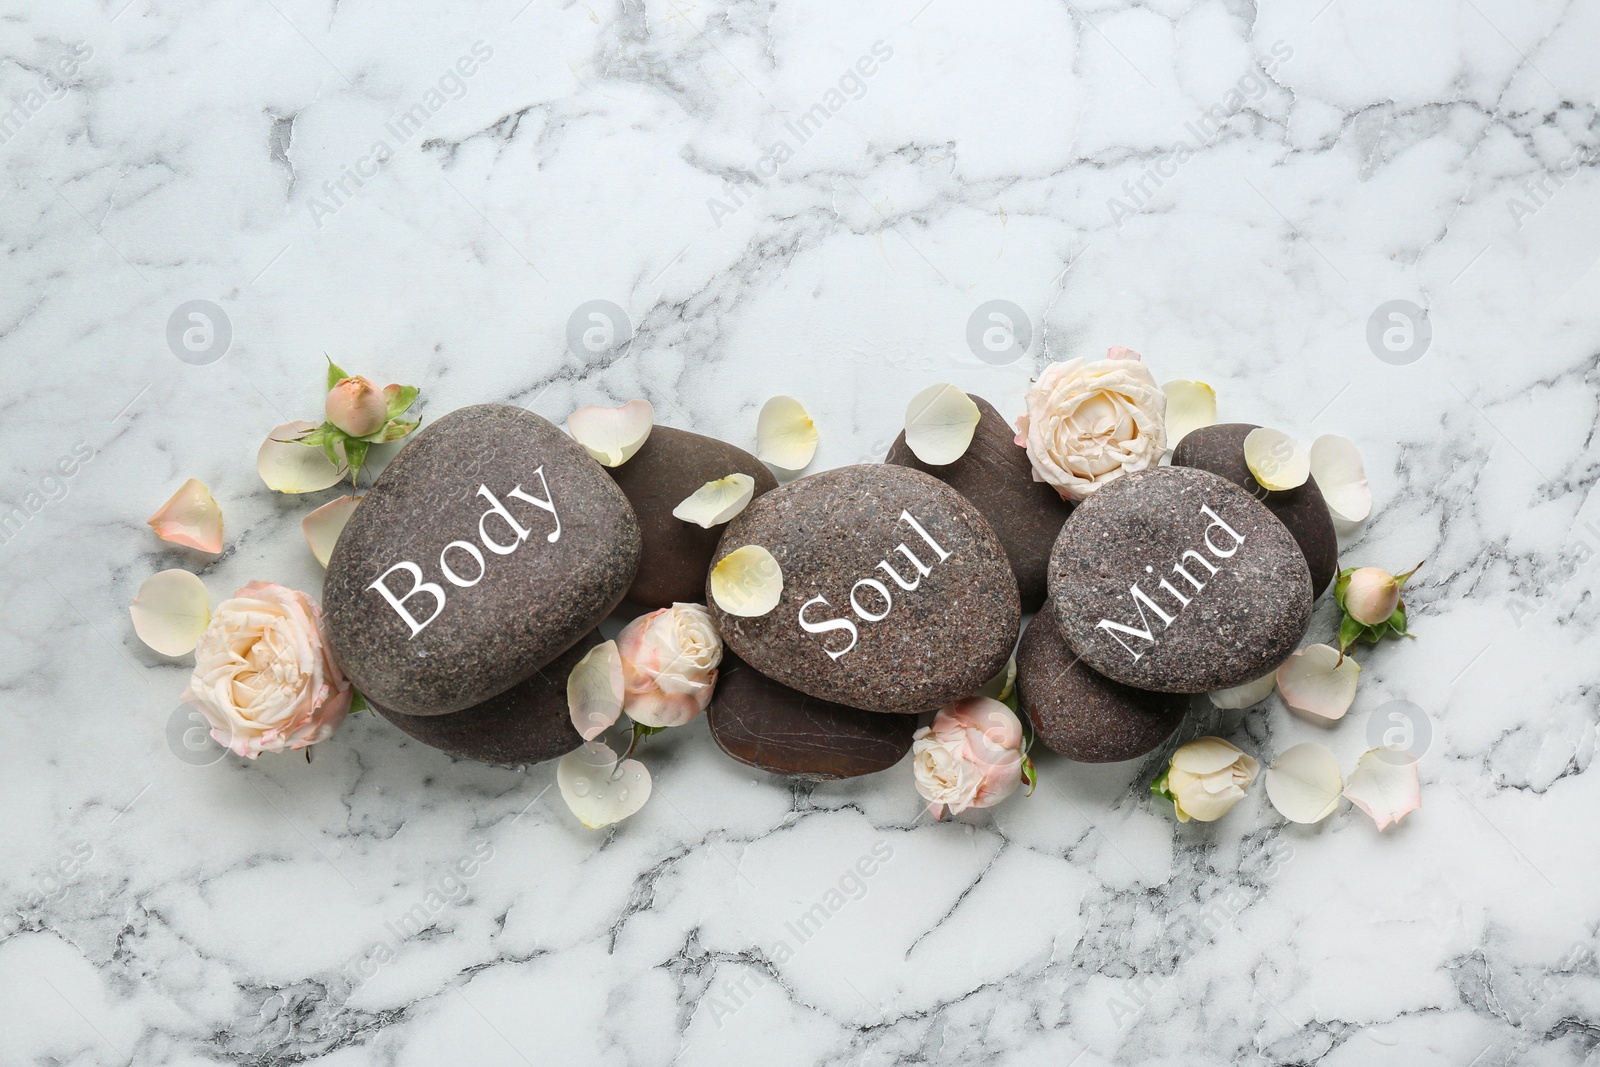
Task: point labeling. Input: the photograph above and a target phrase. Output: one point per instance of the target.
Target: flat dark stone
(1081, 714)
(523, 608)
(670, 466)
(996, 476)
(1245, 618)
(829, 532)
(528, 723)
(766, 725)
(1220, 450)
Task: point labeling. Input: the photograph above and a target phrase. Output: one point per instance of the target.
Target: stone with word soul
(487, 548)
(769, 726)
(528, 723)
(1080, 713)
(996, 476)
(1220, 450)
(670, 466)
(1175, 579)
(897, 596)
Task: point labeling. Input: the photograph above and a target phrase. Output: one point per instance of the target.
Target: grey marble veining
(436, 194)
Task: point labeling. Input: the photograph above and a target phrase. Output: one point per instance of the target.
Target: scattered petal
(1318, 681)
(595, 691)
(716, 502)
(1190, 405)
(1304, 783)
(785, 435)
(1385, 785)
(1342, 477)
(747, 582)
(1247, 695)
(598, 791)
(1276, 459)
(612, 435)
(190, 518)
(287, 467)
(1002, 685)
(939, 424)
(171, 611)
(323, 526)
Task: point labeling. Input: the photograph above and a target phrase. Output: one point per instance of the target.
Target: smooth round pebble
(996, 476)
(1081, 714)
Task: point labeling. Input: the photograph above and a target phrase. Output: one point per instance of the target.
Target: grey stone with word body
(488, 547)
(1176, 580)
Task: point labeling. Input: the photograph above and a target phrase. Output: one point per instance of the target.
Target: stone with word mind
(1220, 450)
(897, 595)
(528, 723)
(488, 547)
(769, 726)
(1177, 580)
(996, 476)
(1080, 713)
(670, 466)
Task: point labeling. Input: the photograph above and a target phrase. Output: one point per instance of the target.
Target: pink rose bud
(357, 406)
(1371, 596)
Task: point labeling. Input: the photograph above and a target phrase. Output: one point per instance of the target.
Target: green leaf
(393, 430)
(1350, 632)
(336, 374)
(403, 397)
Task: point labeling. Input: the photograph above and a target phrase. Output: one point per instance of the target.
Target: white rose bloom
(1208, 777)
(1090, 423)
(942, 775)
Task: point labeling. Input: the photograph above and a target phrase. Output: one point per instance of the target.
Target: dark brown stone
(766, 725)
(1220, 450)
(996, 476)
(1082, 714)
(1128, 540)
(534, 597)
(670, 466)
(834, 531)
(528, 723)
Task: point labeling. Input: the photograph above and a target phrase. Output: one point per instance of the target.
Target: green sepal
(358, 702)
(1029, 776)
(392, 430)
(1350, 632)
(1159, 787)
(1341, 584)
(336, 374)
(355, 450)
(403, 398)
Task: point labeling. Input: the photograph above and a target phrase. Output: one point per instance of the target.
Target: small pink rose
(669, 665)
(969, 757)
(357, 406)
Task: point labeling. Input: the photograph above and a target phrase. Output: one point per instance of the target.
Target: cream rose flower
(669, 664)
(970, 757)
(1207, 778)
(1090, 423)
(263, 677)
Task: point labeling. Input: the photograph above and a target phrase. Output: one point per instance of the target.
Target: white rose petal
(323, 526)
(1247, 695)
(717, 502)
(595, 691)
(171, 612)
(940, 421)
(1385, 785)
(612, 435)
(747, 582)
(1206, 755)
(1276, 459)
(1190, 405)
(1304, 783)
(596, 790)
(785, 435)
(1316, 681)
(286, 467)
(1342, 477)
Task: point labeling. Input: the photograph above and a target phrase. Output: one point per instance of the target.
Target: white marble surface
(158, 912)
